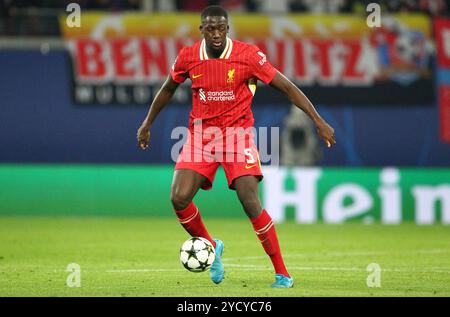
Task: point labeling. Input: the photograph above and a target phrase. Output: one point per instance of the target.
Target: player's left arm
(296, 96)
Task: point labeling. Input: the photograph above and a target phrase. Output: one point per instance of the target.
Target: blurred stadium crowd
(39, 17)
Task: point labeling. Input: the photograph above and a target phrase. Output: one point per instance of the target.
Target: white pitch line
(327, 268)
(339, 254)
(243, 267)
(142, 270)
(238, 267)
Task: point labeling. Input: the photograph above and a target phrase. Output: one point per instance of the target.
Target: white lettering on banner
(141, 94)
(104, 95)
(122, 96)
(428, 201)
(304, 198)
(334, 210)
(391, 196)
(84, 94)
(132, 60)
(426, 198)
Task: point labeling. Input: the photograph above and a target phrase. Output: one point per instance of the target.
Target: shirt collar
(225, 54)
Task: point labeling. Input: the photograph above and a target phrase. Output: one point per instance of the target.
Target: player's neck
(213, 54)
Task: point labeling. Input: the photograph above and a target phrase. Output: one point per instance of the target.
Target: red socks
(265, 231)
(191, 220)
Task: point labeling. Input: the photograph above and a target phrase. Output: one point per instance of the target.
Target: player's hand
(326, 133)
(143, 136)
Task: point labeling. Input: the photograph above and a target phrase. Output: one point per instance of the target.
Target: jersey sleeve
(260, 67)
(179, 70)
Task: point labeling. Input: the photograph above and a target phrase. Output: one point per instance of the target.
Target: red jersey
(222, 88)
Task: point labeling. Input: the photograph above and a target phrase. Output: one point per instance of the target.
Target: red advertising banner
(442, 34)
(444, 112)
(442, 31)
(123, 59)
(134, 60)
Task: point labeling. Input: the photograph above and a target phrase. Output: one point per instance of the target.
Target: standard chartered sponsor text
(221, 95)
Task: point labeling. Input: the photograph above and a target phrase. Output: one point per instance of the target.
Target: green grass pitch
(139, 257)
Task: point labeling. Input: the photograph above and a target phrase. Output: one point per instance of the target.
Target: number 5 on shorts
(249, 156)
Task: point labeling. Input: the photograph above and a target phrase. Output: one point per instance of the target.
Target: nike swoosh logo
(196, 76)
(249, 166)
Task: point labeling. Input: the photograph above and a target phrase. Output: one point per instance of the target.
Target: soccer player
(223, 73)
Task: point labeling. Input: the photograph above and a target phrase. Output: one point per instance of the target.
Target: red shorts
(238, 160)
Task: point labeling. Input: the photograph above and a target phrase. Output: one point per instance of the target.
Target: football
(197, 254)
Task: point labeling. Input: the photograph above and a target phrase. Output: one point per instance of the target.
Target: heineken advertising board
(337, 195)
(307, 195)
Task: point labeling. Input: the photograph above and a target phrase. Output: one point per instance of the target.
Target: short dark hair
(214, 11)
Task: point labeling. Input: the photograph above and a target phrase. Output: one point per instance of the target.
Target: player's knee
(252, 206)
(180, 199)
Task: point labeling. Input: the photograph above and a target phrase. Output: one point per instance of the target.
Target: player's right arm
(262, 69)
(162, 98)
(178, 75)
